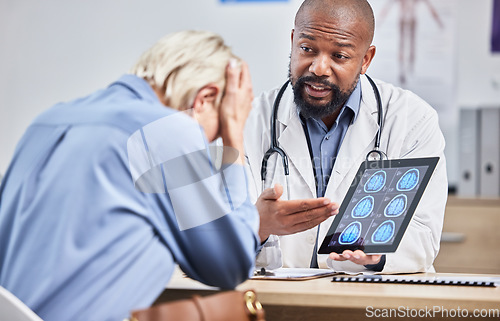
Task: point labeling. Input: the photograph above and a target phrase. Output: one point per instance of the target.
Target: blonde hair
(182, 63)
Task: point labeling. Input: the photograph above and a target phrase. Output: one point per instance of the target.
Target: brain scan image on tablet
(351, 233)
(376, 182)
(364, 207)
(409, 180)
(384, 232)
(379, 206)
(396, 206)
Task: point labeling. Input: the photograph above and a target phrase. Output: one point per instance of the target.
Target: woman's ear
(206, 98)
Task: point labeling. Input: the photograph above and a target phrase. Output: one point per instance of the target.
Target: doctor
(326, 124)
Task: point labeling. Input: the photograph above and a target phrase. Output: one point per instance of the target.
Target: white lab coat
(410, 130)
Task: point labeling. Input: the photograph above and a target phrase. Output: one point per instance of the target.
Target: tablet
(378, 207)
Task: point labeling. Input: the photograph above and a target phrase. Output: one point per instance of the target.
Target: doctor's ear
(206, 98)
(367, 59)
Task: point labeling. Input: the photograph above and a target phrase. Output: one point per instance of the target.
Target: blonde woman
(106, 193)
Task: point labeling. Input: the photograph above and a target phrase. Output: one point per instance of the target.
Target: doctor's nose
(321, 66)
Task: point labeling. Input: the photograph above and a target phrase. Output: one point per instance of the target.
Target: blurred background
(58, 50)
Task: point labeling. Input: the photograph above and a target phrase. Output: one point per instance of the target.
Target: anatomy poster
(495, 32)
(416, 50)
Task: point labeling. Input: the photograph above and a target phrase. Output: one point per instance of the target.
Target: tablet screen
(379, 206)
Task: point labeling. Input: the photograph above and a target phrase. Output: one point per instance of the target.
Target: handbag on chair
(225, 306)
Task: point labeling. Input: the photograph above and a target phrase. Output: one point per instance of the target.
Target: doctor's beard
(319, 111)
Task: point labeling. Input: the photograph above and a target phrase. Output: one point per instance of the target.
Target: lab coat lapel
(293, 141)
(359, 139)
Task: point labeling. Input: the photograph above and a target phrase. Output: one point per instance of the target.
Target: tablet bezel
(431, 162)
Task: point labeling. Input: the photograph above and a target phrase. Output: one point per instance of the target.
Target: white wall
(56, 50)
(478, 69)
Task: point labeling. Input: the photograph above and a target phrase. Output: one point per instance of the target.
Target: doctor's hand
(358, 257)
(281, 217)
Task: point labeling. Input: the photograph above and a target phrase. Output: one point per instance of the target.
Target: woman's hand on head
(236, 104)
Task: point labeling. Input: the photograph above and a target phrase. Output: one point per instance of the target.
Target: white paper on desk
(295, 274)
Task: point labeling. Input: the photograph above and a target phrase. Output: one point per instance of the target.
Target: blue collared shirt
(326, 143)
(79, 241)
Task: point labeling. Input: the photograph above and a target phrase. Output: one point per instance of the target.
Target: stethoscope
(274, 148)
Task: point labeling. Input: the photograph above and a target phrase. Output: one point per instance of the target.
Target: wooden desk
(473, 247)
(321, 299)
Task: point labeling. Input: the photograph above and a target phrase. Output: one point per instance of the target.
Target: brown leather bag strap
(225, 306)
(231, 306)
(196, 300)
